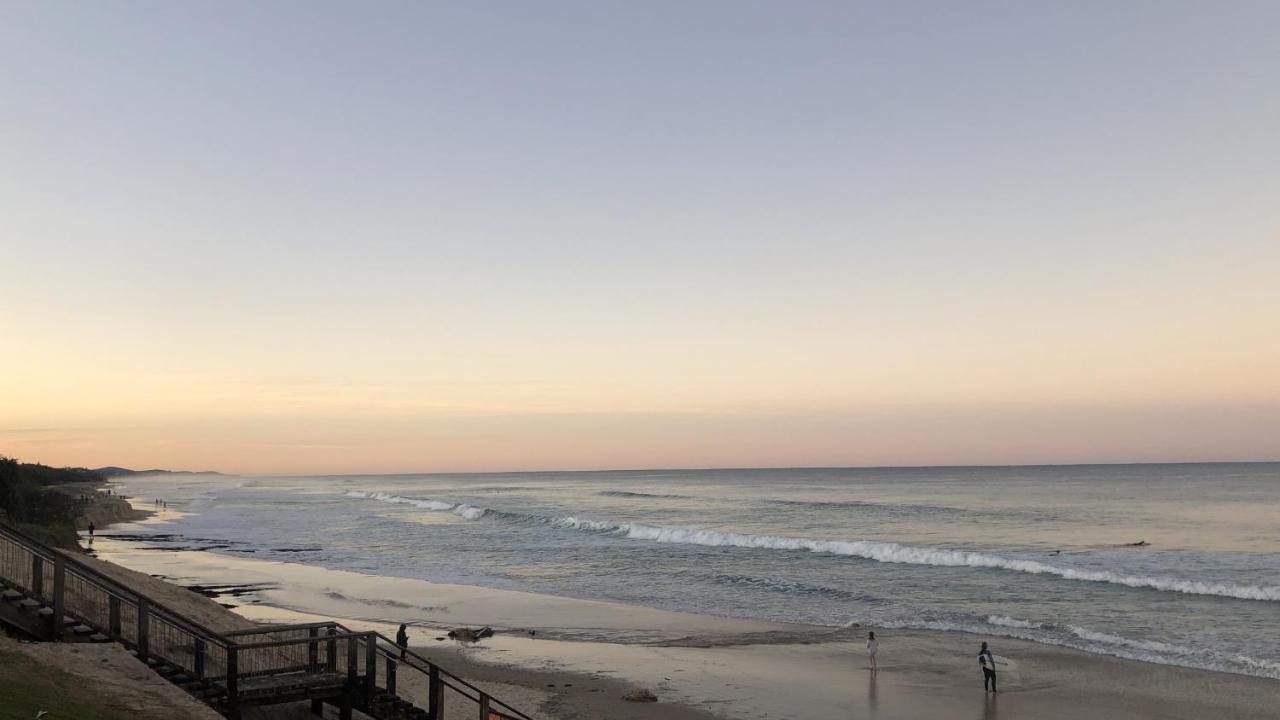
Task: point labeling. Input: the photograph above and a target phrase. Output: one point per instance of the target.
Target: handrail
(108, 584)
(442, 671)
(202, 637)
(349, 635)
(264, 629)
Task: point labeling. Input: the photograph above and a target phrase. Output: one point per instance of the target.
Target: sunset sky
(340, 237)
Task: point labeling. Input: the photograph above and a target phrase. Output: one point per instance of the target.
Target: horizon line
(705, 469)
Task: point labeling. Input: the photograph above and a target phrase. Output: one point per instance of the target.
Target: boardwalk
(47, 595)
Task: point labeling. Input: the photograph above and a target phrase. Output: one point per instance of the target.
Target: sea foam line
(886, 552)
(1099, 643)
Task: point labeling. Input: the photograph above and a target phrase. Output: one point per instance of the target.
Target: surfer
(987, 662)
(1140, 543)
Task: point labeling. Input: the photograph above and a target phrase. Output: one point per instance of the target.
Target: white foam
(906, 554)
(1101, 643)
(886, 552)
(1006, 621)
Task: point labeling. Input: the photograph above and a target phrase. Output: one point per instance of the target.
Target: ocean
(1045, 554)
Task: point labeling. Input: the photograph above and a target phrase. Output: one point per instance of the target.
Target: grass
(27, 687)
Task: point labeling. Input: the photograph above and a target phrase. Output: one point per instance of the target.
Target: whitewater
(887, 552)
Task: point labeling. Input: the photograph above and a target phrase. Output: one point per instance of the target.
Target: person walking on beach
(402, 639)
(872, 646)
(91, 529)
(987, 662)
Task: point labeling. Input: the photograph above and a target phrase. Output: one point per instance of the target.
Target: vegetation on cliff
(35, 499)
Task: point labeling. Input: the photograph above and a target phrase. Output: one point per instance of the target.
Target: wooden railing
(235, 667)
(328, 645)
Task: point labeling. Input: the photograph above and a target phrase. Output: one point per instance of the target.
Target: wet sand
(583, 655)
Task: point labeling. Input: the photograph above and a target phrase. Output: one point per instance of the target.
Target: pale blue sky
(722, 208)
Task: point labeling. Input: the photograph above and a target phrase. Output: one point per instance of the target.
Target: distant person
(988, 663)
(402, 639)
(91, 529)
(872, 646)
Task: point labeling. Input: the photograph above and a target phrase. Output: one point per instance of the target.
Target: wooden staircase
(46, 595)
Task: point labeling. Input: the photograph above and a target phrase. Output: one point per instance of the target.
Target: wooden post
(353, 668)
(484, 707)
(313, 650)
(144, 633)
(37, 575)
(113, 616)
(313, 663)
(59, 592)
(233, 681)
(435, 694)
(331, 654)
(370, 664)
(391, 676)
(199, 658)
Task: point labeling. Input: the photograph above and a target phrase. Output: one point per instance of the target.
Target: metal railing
(227, 664)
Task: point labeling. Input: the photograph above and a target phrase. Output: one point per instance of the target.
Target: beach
(699, 666)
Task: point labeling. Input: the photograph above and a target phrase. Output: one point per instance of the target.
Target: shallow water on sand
(1039, 553)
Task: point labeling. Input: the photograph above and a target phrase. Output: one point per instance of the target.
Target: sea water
(1041, 553)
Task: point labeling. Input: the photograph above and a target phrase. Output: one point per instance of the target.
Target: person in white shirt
(987, 662)
(872, 646)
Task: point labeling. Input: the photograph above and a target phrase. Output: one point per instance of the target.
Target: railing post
(391, 676)
(233, 681)
(37, 575)
(144, 633)
(113, 616)
(353, 669)
(435, 694)
(59, 595)
(370, 664)
(331, 653)
(199, 658)
(313, 651)
(484, 707)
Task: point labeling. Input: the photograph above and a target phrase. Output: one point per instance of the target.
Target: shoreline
(703, 666)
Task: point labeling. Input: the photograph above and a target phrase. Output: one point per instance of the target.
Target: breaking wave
(886, 552)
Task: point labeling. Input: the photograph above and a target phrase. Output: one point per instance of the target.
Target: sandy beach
(581, 656)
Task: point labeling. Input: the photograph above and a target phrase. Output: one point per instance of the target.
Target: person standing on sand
(402, 639)
(988, 663)
(91, 528)
(872, 646)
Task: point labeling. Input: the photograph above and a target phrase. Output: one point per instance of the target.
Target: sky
(317, 237)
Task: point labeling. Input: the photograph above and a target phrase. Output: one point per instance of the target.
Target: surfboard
(1004, 664)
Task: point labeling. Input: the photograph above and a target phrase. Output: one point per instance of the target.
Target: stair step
(10, 595)
(29, 604)
(45, 612)
(82, 630)
(99, 638)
